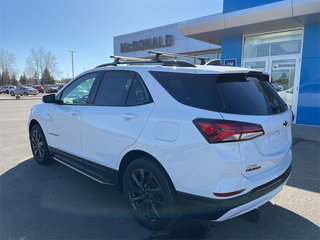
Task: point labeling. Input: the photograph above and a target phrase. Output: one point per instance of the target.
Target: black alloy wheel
(39, 146)
(150, 195)
(146, 195)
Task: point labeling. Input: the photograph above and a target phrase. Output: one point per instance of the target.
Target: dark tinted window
(120, 88)
(243, 94)
(185, 88)
(114, 88)
(138, 93)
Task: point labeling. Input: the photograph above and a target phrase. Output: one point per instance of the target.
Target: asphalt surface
(55, 202)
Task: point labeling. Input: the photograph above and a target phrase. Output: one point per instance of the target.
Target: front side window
(78, 91)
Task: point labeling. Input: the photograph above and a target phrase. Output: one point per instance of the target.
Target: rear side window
(185, 88)
(243, 94)
(122, 88)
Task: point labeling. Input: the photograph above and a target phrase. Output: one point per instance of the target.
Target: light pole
(72, 62)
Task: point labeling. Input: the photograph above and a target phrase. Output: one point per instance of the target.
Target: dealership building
(281, 37)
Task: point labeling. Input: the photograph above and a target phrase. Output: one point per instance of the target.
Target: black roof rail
(158, 54)
(176, 63)
(214, 62)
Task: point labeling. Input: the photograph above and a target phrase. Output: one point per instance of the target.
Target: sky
(86, 27)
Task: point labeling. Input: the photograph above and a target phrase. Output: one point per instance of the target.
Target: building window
(273, 44)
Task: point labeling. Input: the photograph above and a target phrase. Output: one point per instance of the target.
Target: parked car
(60, 86)
(21, 90)
(39, 88)
(211, 142)
(7, 89)
(51, 90)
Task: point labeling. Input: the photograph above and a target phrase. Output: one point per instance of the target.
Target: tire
(7, 92)
(150, 195)
(39, 146)
(12, 93)
(25, 93)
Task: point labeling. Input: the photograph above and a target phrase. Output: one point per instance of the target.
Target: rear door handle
(129, 116)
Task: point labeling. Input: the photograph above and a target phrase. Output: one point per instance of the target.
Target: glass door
(284, 76)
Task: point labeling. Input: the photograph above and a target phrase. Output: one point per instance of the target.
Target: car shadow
(267, 222)
(305, 165)
(56, 202)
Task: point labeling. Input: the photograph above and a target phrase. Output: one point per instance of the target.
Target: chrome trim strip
(109, 184)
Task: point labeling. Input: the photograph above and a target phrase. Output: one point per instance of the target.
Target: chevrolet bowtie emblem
(284, 123)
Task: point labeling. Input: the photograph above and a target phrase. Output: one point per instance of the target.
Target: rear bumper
(220, 210)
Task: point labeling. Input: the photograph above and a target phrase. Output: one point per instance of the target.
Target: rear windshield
(229, 93)
(243, 94)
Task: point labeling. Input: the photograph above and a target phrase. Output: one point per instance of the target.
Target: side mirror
(49, 98)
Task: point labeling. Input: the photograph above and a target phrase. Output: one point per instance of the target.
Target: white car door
(63, 125)
(115, 120)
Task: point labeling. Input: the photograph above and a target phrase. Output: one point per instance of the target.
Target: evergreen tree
(13, 80)
(46, 77)
(6, 77)
(23, 79)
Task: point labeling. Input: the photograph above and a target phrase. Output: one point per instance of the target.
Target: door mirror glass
(49, 98)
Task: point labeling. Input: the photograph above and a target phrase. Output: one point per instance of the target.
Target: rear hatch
(250, 98)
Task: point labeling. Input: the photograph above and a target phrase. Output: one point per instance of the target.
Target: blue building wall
(308, 111)
(235, 5)
(231, 47)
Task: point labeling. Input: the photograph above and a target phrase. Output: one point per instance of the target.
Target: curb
(306, 132)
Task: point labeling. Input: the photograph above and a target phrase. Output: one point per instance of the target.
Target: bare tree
(30, 74)
(50, 62)
(40, 59)
(7, 62)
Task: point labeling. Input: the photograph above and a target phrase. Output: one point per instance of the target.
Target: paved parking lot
(55, 202)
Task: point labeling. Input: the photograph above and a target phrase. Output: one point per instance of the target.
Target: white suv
(7, 89)
(210, 142)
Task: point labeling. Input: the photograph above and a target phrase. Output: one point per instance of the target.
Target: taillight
(217, 131)
(229, 194)
(292, 116)
(30, 90)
